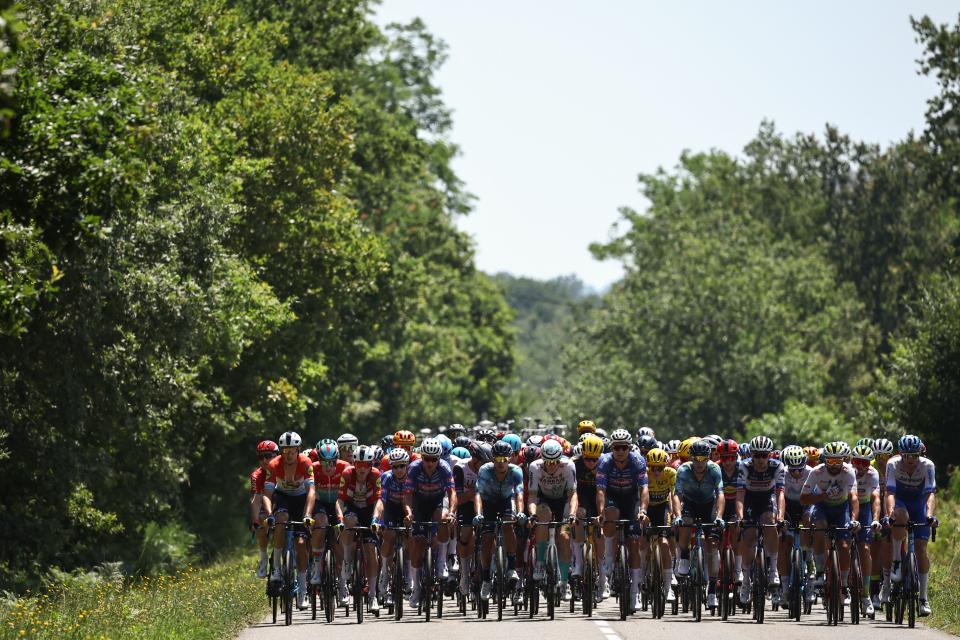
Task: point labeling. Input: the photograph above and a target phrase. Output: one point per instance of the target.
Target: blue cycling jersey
(620, 480)
(702, 491)
(428, 487)
(391, 488)
(491, 488)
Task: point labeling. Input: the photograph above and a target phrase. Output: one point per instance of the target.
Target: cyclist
(622, 493)
(389, 512)
(465, 482)
(911, 495)
(259, 505)
(662, 482)
(727, 453)
(347, 443)
(585, 467)
(882, 451)
(553, 496)
(868, 493)
(359, 493)
(429, 483)
(760, 499)
(405, 440)
(586, 426)
(813, 456)
(327, 472)
(499, 492)
(796, 514)
(672, 447)
(645, 444)
(289, 488)
(699, 497)
(831, 488)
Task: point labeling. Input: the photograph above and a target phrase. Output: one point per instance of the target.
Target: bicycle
(727, 581)
(590, 573)
(905, 594)
(397, 578)
(429, 585)
(653, 589)
(327, 589)
(694, 586)
(498, 569)
(551, 591)
(621, 572)
(358, 581)
(289, 585)
(832, 586)
(797, 582)
(758, 572)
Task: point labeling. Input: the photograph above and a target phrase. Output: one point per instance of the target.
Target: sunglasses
(429, 458)
(586, 459)
(267, 456)
(861, 464)
(834, 462)
(761, 455)
(501, 459)
(658, 468)
(622, 447)
(399, 466)
(699, 458)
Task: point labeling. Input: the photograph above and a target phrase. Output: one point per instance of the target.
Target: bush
(166, 549)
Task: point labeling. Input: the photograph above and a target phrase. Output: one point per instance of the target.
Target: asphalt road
(604, 625)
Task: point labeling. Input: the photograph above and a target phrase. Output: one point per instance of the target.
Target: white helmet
(364, 454)
(551, 450)
(347, 441)
(431, 447)
(621, 436)
(398, 455)
(645, 431)
(289, 439)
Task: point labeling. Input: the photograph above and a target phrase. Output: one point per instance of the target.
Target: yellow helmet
(657, 457)
(592, 446)
(586, 426)
(684, 450)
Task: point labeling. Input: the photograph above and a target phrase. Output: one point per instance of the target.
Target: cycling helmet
(601, 432)
(882, 446)
(377, 453)
(906, 444)
(744, 450)
(700, 448)
(462, 441)
(728, 449)
(431, 447)
(620, 436)
(328, 450)
(607, 444)
(812, 452)
(867, 441)
(398, 455)
(576, 450)
(347, 441)
(290, 439)
(530, 453)
(647, 442)
(445, 444)
(583, 436)
(268, 446)
(714, 441)
(363, 454)
(487, 435)
(312, 454)
(535, 440)
(775, 454)
(794, 456)
(672, 447)
(684, 449)
(832, 450)
(551, 450)
(862, 452)
(455, 430)
(844, 447)
(592, 446)
(645, 431)
(404, 438)
(657, 457)
(761, 444)
(586, 426)
(513, 440)
(502, 449)
(460, 452)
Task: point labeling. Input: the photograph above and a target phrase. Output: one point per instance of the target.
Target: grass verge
(945, 570)
(213, 602)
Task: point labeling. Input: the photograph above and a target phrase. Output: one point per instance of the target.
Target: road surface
(605, 625)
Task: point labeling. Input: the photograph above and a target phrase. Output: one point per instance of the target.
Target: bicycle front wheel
(398, 581)
(426, 580)
(551, 584)
(289, 564)
(499, 588)
(623, 583)
(358, 575)
(696, 583)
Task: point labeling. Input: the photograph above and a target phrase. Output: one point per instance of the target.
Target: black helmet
(462, 441)
(647, 442)
(502, 449)
(700, 448)
(386, 442)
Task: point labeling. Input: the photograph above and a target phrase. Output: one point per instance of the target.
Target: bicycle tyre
(500, 567)
(288, 578)
(551, 581)
(759, 585)
(329, 585)
(796, 585)
(913, 592)
(656, 582)
(724, 586)
(275, 603)
(589, 586)
(856, 583)
(426, 582)
(399, 562)
(836, 590)
(623, 586)
(696, 583)
(358, 577)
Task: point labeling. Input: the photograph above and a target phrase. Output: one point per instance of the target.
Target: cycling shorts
(465, 513)
(559, 507)
(293, 506)
(866, 518)
(796, 511)
(393, 514)
(834, 516)
(426, 510)
(757, 503)
(917, 510)
(658, 514)
(327, 508)
(626, 504)
(492, 509)
(364, 519)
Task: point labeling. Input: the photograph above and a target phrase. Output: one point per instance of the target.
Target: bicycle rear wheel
(696, 583)
(398, 581)
(623, 583)
(426, 582)
(500, 567)
(589, 587)
(288, 578)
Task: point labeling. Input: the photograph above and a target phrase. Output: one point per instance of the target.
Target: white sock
(577, 556)
(738, 563)
(923, 585)
(276, 560)
(773, 561)
(637, 579)
(263, 554)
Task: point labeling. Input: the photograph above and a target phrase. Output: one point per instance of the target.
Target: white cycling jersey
(836, 487)
(911, 486)
(792, 486)
(867, 484)
(559, 484)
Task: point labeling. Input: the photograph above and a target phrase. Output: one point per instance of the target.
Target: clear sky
(559, 105)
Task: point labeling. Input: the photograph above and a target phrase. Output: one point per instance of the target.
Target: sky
(558, 106)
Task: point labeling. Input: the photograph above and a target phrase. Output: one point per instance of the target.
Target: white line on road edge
(602, 623)
(608, 633)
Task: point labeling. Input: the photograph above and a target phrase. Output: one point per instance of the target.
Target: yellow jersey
(661, 488)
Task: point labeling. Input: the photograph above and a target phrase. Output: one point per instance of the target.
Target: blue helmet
(445, 444)
(460, 452)
(328, 450)
(909, 444)
(745, 450)
(513, 440)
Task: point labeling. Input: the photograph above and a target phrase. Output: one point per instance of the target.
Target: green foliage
(802, 424)
(9, 28)
(166, 549)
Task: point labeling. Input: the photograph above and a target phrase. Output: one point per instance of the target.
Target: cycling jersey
(358, 494)
(328, 486)
(428, 487)
(391, 489)
(493, 489)
(766, 481)
(701, 491)
(257, 481)
(296, 485)
(552, 486)
(730, 483)
(586, 482)
(836, 487)
(385, 462)
(913, 485)
(464, 477)
(866, 485)
(793, 486)
(660, 488)
(621, 480)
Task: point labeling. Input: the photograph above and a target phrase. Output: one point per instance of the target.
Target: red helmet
(268, 446)
(728, 449)
(314, 456)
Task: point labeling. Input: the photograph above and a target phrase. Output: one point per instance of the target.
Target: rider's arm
(854, 503)
(311, 498)
(891, 503)
(452, 500)
(781, 503)
(341, 507)
(721, 503)
(741, 494)
(601, 500)
(875, 504)
(644, 498)
(931, 504)
(255, 504)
